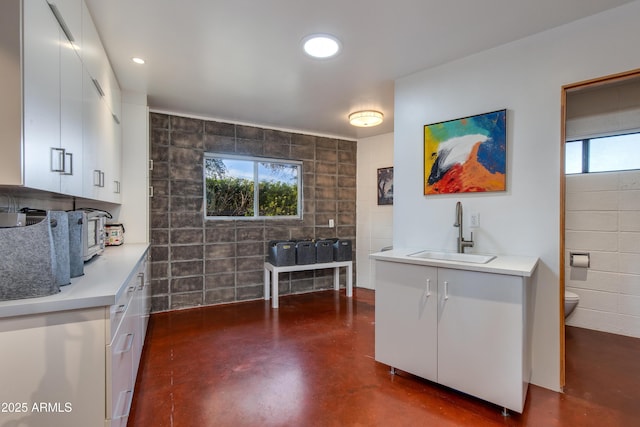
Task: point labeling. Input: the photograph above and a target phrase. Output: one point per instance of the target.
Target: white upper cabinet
(54, 126)
(97, 63)
(44, 157)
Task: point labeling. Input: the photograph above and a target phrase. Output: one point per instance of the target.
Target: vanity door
(406, 309)
(480, 335)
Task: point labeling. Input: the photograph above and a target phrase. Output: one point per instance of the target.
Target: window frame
(256, 187)
(586, 153)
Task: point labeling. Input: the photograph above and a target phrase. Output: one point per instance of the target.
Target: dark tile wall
(203, 262)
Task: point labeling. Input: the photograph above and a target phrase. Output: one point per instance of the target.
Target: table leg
(274, 298)
(336, 278)
(267, 279)
(350, 280)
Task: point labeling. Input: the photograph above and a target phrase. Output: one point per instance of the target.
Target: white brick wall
(603, 218)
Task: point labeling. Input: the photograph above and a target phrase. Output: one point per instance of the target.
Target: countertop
(502, 264)
(101, 284)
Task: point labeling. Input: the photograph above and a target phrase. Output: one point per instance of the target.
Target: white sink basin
(454, 256)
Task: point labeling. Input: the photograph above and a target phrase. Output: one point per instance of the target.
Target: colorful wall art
(466, 155)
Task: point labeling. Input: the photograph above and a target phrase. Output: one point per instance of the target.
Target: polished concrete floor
(311, 363)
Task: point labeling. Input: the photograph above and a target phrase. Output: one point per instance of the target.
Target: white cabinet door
(92, 139)
(71, 119)
(113, 168)
(406, 318)
(54, 359)
(43, 155)
(480, 335)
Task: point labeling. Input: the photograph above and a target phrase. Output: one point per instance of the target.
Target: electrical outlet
(475, 220)
(331, 223)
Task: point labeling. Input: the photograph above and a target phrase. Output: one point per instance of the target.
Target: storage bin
(342, 250)
(60, 236)
(282, 252)
(76, 261)
(324, 251)
(26, 261)
(305, 252)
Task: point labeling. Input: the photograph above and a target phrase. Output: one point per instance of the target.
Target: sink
(454, 256)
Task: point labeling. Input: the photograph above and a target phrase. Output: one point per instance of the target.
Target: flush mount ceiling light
(366, 118)
(321, 45)
(138, 60)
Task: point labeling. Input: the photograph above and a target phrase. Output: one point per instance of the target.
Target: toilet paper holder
(579, 259)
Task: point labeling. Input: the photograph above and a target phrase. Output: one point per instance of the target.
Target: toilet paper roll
(581, 260)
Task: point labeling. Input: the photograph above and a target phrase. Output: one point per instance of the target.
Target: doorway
(570, 93)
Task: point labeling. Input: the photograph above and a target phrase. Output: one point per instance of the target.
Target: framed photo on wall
(385, 186)
(466, 155)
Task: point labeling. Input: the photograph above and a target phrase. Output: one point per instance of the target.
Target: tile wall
(603, 218)
(203, 262)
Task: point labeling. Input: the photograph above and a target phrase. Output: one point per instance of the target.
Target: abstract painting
(466, 155)
(385, 186)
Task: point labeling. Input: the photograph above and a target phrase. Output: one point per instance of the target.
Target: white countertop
(501, 264)
(101, 285)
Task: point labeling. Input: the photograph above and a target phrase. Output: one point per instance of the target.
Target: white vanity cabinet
(468, 330)
(406, 318)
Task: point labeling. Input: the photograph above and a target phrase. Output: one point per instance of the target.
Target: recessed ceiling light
(365, 118)
(321, 45)
(138, 60)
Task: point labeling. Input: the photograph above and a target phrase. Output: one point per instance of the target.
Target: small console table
(271, 276)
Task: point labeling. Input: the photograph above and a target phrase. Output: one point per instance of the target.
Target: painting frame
(384, 186)
(466, 155)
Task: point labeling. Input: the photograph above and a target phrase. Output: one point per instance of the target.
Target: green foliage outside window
(230, 187)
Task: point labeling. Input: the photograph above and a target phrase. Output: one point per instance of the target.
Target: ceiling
(241, 60)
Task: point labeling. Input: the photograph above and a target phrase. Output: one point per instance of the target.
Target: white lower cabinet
(127, 331)
(406, 308)
(75, 367)
(463, 329)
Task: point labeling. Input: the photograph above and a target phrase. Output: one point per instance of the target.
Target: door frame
(600, 81)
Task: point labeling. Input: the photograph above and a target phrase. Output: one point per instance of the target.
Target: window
(605, 154)
(252, 187)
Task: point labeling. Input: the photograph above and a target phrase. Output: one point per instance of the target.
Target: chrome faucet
(461, 242)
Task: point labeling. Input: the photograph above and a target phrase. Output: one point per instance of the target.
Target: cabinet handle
(131, 289)
(128, 343)
(96, 178)
(98, 87)
(70, 156)
(446, 290)
(57, 156)
(151, 191)
(141, 277)
(121, 308)
(63, 24)
(428, 288)
(126, 408)
(101, 179)
(151, 164)
(115, 118)
(116, 185)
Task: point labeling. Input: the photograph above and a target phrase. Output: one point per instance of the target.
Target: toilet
(570, 303)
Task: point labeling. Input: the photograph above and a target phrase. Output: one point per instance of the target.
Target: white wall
(525, 77)
(375, 223)
(134, 211)
(603, 218)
